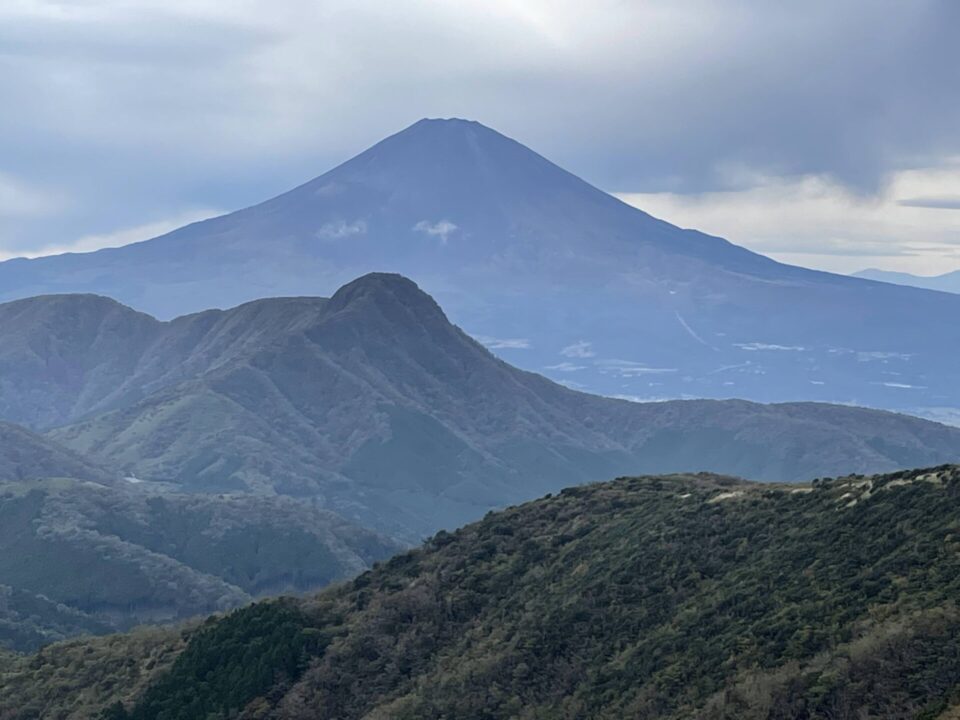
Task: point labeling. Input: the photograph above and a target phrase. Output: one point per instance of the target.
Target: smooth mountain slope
(948, 282)
(656, 597)
(83, 558)
(553, 273)
(375, 404)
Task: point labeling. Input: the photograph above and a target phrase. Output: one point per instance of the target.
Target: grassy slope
(667, 597)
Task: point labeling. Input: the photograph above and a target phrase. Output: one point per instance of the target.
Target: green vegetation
(236, 658)
(29, 621)
(25, 456)
(657, 597)
(71, 680)
(80, 558)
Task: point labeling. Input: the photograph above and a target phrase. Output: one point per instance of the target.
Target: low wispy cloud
(341, 229)
(565, 367)
(582, 349)
(754, 346)
(642, 398)
(117, 238)
(933, 203)
(493, 343)
(629, 368)
(868, 356)
(441, 229)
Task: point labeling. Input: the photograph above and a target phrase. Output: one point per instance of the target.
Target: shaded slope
(29, 621)
(658, 597)
(85, 558)
(27, 456)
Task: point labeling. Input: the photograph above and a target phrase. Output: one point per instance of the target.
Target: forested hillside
(83, 558)
(659, 597)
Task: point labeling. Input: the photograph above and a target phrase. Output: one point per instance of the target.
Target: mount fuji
(550, 273)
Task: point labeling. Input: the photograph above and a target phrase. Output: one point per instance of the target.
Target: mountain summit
(551, 273)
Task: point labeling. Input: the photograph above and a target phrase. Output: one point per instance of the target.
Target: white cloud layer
(117, 238)
(493, 343)
(911, 224)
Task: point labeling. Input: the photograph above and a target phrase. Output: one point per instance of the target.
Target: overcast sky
(823, 133)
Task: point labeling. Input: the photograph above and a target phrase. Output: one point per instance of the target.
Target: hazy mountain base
(657, 597)
(29, 620)
(948, 282)
(83, 558)
(376, 405)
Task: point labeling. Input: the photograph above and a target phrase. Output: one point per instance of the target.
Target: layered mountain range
(374, 405)
(551, 273)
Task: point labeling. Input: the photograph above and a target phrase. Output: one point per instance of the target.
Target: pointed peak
(449, 125)
(446, 165)
(448, 131)
(378, 288)
(450, 122)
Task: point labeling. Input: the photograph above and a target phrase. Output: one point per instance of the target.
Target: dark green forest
(655, 597)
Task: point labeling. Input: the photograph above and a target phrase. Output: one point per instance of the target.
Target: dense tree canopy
(655, 597)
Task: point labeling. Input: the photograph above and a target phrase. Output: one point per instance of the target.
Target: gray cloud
(137, 110)
(934, 203)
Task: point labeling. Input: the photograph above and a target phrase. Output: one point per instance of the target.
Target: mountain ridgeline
(694, 596)
(375, 405)
(552, 273)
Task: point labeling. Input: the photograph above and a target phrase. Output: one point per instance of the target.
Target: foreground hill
(80, 558)
(376, 405)
(557, 275)
(656, 597)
